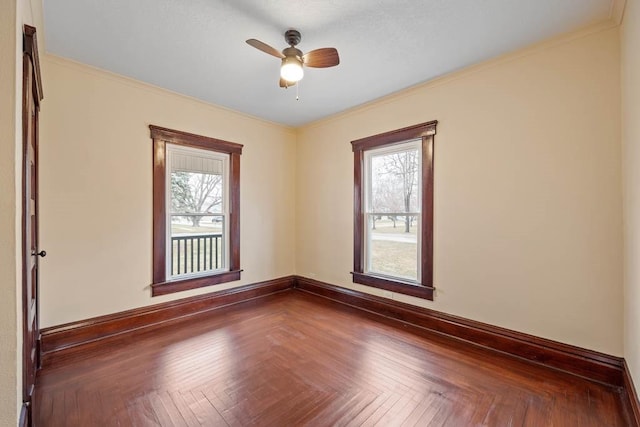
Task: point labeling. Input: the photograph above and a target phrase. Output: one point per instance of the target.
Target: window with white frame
(393, 210)
(197, 212)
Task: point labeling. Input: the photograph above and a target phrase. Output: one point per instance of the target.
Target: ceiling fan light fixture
(291, 69)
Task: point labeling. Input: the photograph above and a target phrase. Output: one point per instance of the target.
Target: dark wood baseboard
(65, 337)
(575, 360)
(632, 396)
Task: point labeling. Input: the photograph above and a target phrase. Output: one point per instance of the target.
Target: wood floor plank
(201, 408)
(365, 416)
(141, 413)
(84, 400)
(298, 359)
(185, 411)
(343, 408)
(162, 403)
(421, 406)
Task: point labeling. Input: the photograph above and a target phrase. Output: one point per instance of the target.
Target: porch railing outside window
(195, 253)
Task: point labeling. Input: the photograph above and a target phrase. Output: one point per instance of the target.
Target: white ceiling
(197, 47)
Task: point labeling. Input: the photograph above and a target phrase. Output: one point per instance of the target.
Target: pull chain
(298, 91)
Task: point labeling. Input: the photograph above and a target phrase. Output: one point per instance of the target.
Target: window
(393, 210)
(196, 211)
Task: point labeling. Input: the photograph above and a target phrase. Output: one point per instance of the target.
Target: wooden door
(31, 253)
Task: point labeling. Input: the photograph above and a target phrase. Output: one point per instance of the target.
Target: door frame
(30, 53)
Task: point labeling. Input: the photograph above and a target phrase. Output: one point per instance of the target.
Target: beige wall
(630, 37)
(9, 279)
(96, 184)
(528, 221)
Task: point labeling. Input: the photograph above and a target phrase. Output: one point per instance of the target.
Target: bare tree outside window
(196, 193)
(197, 220)
(395, 185)
(393, 191)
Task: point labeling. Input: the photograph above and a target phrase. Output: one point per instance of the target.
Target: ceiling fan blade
(265, 48)
(285, 84)
(321, 58)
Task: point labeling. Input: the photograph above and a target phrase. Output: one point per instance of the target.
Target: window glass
(393, 211)
(197, 213)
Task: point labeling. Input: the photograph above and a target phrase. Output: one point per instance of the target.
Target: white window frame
(413, 144)
(225, 208)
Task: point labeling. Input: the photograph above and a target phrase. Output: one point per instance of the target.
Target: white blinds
(184, 162)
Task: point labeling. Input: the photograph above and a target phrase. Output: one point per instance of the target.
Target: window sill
(394, 285)
(165, 288)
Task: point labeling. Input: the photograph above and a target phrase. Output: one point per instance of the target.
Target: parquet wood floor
(296, 359)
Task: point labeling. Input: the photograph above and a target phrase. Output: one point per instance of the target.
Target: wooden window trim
(426, 132)
(161, 136)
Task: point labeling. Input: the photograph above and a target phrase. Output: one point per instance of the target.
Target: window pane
(392, 250)
(195, 192)
(197, 243)
(395, 181)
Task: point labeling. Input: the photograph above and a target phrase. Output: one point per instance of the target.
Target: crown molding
(597, 27)
(138, 84)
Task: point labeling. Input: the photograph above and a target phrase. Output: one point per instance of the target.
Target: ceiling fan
(292, 58)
